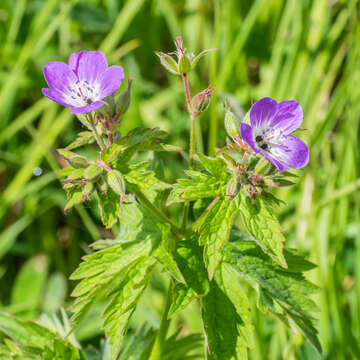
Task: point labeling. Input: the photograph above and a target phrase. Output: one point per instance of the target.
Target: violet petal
(55, 95)
(91, 65)
(263, 111)
(293, 152)
(88, 108)
(288, 117)
(247, 136)
(278, 164)
(74, 60)
(59, 75)
(110, 80)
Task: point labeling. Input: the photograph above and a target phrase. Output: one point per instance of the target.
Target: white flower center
(82, 93)
(267, 137)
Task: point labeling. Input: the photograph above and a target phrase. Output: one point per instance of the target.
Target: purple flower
(83, 82)
(269, 133)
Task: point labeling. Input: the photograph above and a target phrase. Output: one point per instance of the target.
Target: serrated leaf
(215, 230)
(240, 301)
(143, 178)
(118, 312)
(199, 186)
(286, 287)
(84, 138)
(259, 222)
(188, 257)
(109, 206)
(74, 196)
(202, 185)
(36, 341)
(221, 324)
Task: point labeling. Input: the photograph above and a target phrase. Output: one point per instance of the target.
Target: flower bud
(184, 64)
(232, 125)
(87, 190)
(124, 100)
(232, 188)
(201, 101)
(116, 182)
(75, 160)
(109, 107)
(168, 62)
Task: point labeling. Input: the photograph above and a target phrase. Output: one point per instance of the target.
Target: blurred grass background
(287, 49)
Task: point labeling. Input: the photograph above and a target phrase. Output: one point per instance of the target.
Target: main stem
(192, 143)
(98, 138)
(192, 120)
(162, 332)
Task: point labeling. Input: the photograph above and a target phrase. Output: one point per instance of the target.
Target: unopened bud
(116, 182)
(201, 101)
(184, 64)
(124, 100)
(109, 106)
(75, 160)
(88, 189)
(232, 125)
(232, 188)
(168, 62)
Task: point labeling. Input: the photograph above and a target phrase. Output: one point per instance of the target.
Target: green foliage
(316, 65)
(283, 292)
(215, 230)
(188, 257)
(259, 222)
(29, 340)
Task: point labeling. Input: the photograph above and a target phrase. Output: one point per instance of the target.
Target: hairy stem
(192, 144)
(98, 138)
(162, 332)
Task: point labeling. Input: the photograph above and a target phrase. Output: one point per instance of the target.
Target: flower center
(268, 138)
(82, 93)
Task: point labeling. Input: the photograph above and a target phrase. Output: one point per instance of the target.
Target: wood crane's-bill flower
(83, 82)
(271, 124)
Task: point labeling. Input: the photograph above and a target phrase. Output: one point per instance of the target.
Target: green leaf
(215, 230)
(84, 138)
(234, 292)
(259, 222)
(92, 172)
(222, 323)
(120, 273)
(118, 312)
(110, 207)
(283, 292)
(202, 185)
(165, 257)
(143, 178)
(188, 257)
(34, 341)
(74, 196)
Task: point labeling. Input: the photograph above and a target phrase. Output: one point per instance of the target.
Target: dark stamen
(264, 146)
(89, 101)
(258, 138)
